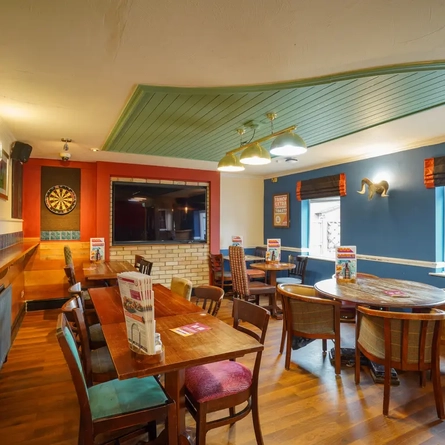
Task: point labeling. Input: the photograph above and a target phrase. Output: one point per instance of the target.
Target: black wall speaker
(20, 151)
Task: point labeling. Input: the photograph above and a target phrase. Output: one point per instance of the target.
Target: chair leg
(325, 345)
(386, 389)
(201, 427)
(283, 335)
(357, 365)
(288, 351)
(337, 358)
(232, 414)
(256, 419)
(437, 388)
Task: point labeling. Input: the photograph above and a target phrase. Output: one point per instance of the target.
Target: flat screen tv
(158, 213)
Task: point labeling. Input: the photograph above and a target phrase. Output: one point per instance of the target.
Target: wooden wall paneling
(44, 274)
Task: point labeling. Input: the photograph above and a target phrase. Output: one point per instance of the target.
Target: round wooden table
(272, 268)
(383, 292)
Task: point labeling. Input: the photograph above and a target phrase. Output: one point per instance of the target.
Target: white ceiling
(68, 67)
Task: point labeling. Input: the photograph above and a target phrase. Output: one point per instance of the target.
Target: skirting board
(41, 305)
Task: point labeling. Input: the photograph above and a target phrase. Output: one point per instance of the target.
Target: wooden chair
(68, 255)
(404, 341)
(295, 276)
(95, 334)
(348, 309)
(219, 276)
(227, 384)
(211, 297)
(242, 287)
(260, 251)
(115, 406)
(142, 265)
(97, 363)
(181, 286)
(309, 316)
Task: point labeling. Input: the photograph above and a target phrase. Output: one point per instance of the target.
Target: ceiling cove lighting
(286, 143)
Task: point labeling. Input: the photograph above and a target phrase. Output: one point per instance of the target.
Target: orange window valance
(434, 172)
(324, 187)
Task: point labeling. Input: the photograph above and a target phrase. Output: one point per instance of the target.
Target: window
(324, 226)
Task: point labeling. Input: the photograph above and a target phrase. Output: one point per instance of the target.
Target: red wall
(95, 194)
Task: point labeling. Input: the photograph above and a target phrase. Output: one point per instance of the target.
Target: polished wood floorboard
(306, 405)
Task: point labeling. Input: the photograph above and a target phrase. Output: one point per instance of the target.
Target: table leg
(276, 310)
(175, 387)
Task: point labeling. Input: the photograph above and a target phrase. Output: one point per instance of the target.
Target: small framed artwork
(280, 210)
(4, 174)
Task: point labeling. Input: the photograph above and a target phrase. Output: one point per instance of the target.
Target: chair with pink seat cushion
(227, 384)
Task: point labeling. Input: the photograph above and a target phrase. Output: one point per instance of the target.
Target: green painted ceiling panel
(201, 123)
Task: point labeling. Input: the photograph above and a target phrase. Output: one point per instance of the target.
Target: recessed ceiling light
(95, 149)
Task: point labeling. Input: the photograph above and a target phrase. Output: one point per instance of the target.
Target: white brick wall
(182, 260)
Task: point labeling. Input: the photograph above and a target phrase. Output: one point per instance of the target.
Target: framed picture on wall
(280, 210)
(4, 174)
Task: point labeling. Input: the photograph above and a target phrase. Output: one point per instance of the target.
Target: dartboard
(60, 199)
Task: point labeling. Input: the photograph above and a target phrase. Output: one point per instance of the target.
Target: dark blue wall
(405, 225)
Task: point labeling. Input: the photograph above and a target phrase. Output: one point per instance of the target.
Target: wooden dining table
(106, 270)
(383, 292)
(220, 342)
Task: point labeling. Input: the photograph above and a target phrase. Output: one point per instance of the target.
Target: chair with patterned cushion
(228, 384)
(219, 277)
(95, 334)
(116, 408)
(242, 287)
(297, 275)
(68, 255)
(404, 341)
(308, 316)
(181, 286)
(210, 297)
(97, 363)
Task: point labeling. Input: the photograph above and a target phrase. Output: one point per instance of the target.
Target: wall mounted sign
(60, 199)
(280, 210)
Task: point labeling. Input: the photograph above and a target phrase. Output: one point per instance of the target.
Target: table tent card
(97, 249)
(237, 240)
(346, 264)
(138, 303)
(273, 252)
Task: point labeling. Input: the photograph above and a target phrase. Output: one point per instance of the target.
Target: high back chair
(181, 286)
(295, 276)
(210, 297)
(68, 255)
(227, 384)
(309, 316)
(400, 340)
(242, 287)
(142, 265)
(219, 276)
(113, 407)
(97, 363)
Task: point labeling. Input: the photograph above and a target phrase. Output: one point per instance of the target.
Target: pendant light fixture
(286, 143)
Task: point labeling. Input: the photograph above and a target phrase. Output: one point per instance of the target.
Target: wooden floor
(306, 405)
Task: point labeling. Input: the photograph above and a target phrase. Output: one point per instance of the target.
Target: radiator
(5, 323)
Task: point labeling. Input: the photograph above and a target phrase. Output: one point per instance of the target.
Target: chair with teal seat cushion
(297, 275)
(117, 407)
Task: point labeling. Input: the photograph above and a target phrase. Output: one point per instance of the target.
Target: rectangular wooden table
(106, 270)
(220, 342)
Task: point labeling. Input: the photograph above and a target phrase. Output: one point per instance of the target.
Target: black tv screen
(150, 213)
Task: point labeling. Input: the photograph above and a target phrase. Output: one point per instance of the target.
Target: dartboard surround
(60, 199)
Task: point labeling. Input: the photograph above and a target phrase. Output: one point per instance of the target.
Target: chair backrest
(69, 306)
(306, 314)
(255, 315)
(260, 251)
(211, 297)
(181, 286)
(412, 340)
(68, 345)
(145, 266)
(240, 282)
(137, 261)
(68, 255)
(70, 274)
(84, 340)
(300, 266)
(216, 263)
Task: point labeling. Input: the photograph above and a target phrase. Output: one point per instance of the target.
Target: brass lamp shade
(230, 163)
(255, 155)
(288, 144)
